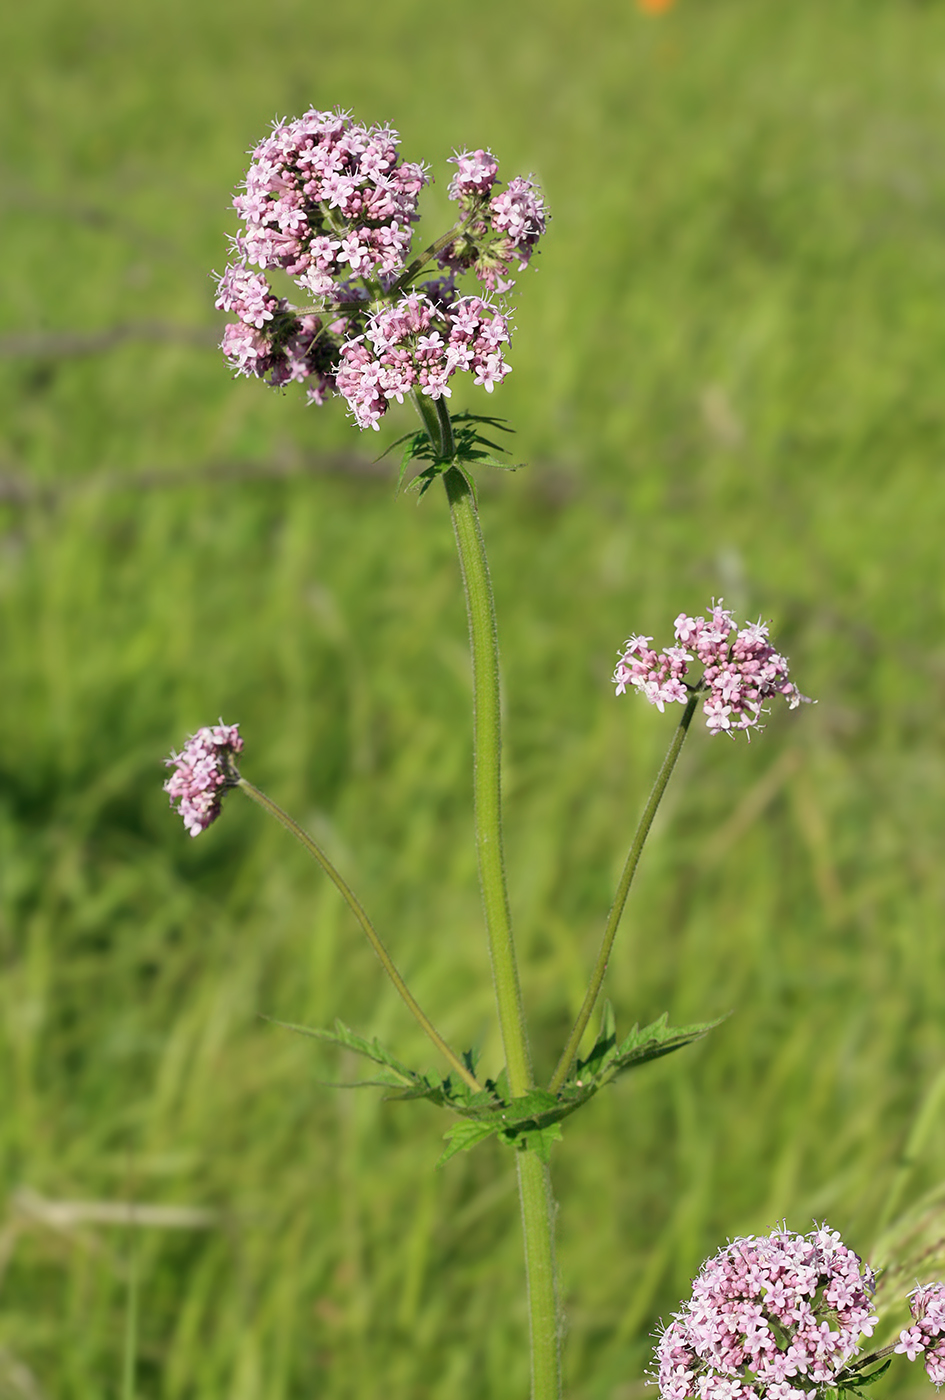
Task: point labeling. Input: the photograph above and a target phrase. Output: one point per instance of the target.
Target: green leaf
(406, 437)
(500, 1086)
(500, 423)
(604, 1047)
(858, 1381)
(540, 1140)
(462, 1136)
(371, 1050)
(534, 1104)
(656, 1040)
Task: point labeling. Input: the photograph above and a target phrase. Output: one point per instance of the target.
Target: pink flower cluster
(270, 342)
(418, 344)
(475, 175)
(327, 199)
(777, 1317)
(740, 672)
(500, 230)
(332, 204)
(927, 1305)
(204, 769)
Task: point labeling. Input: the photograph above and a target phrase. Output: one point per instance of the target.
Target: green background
(728, 380)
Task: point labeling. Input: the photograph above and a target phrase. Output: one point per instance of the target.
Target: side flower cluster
(418, 344)
(777, 1317)
(270, 342)
(499, 229)
(926, 1337)
(333, 205)
(204, 769)
(741, 669)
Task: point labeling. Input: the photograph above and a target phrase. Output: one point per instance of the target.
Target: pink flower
(741, 669)
(927, 1305)
(496, 232)
(204, 769)
(760, 1313)
(475, 174)
(519, 212)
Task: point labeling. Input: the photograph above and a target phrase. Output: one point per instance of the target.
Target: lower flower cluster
(740, 671)
(418, 344)
(777, 1317)
(204, 769)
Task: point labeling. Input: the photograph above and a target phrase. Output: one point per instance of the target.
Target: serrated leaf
(656, 1040)
(540, 1140)
(603, 1049)
(463, 1136)
(371, 1050)
(500, 1085)
(433, 1090)
(531, 1105)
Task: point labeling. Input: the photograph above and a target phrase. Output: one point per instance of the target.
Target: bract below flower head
(741, 669)
(776, 1316)
(204, 769)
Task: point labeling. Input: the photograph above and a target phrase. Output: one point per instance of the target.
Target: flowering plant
(332, 204)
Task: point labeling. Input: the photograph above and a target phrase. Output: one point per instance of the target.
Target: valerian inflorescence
(741, 669)
(332, 204)
(203, 770)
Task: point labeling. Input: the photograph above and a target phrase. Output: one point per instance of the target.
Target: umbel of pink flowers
(782, 1316)
(333, 204)
(741, 669)
(203, 770)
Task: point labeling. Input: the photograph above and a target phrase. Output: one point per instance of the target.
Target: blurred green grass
(728, 380)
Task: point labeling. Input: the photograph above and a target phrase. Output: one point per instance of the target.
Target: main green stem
(620, 898)
(357, 910)
(533, 1177)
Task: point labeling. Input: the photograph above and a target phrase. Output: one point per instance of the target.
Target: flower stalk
(620, 898)
(359, 913)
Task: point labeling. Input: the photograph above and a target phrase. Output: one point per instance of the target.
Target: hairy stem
(620, 898)
(538, 1227)
(533, 1178)
(487, 745)
(357, 910)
